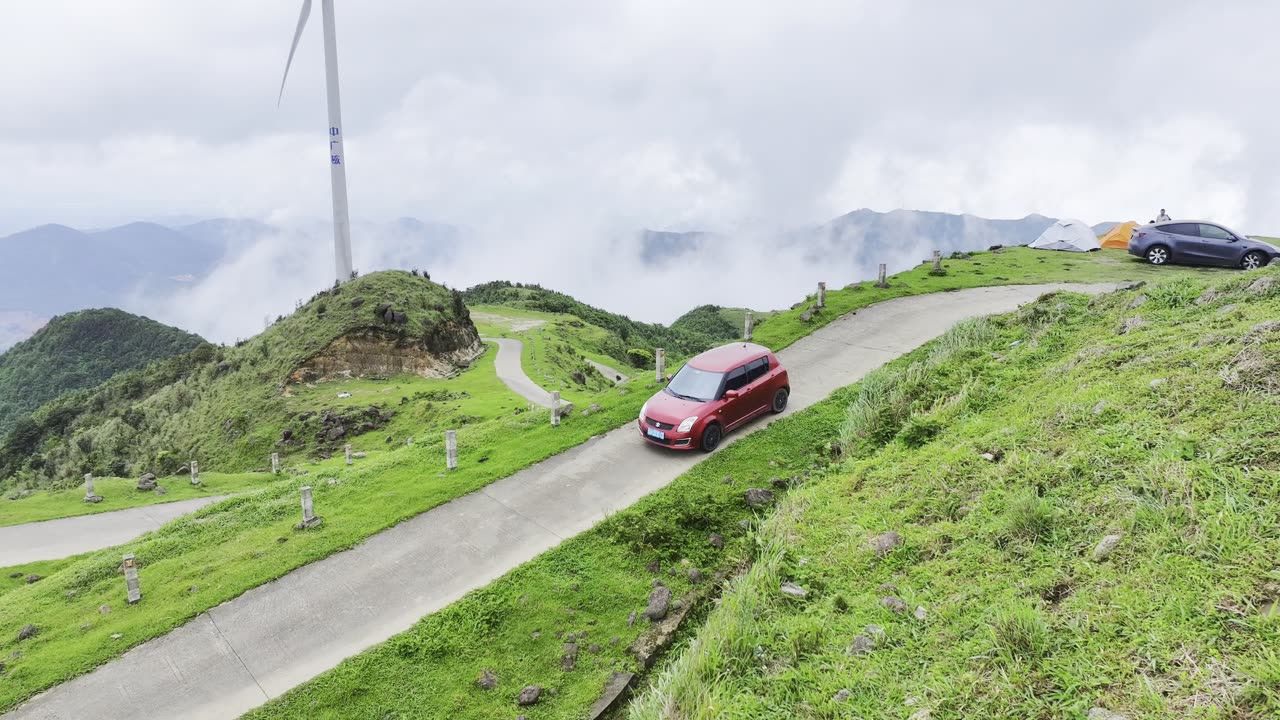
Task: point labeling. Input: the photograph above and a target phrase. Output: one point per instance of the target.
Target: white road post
(746, 329)
(451, 449)
(660, 364)
(555, 408)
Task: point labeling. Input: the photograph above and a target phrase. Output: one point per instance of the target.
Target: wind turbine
(337, 160)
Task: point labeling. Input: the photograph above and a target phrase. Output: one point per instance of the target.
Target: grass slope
(80, 350)
(588, 586)
(121, 494)
(626, 333)
(1009, 266)
(1151, 415)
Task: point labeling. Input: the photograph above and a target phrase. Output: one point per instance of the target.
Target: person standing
(1162, 216)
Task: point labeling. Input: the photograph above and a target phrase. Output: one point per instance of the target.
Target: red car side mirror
(730, 394)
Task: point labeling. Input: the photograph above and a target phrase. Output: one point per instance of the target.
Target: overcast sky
(563, 121)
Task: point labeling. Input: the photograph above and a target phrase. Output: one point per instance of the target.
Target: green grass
(220, 552)
(15, 576)
(216, 554)
(1011, 266)
(121, 494)
(589, 584)
(1019, 620)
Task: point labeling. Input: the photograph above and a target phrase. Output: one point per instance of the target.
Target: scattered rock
(744, 524)
(757, 497)
(1131, 324)
(1100, 407)
(920, 715)
(888, 589)
(779, 483)
(654, 567)
(793, 590)
(1262, 286)
(593, 407)
(1104, 714)
(614, 640)
(727, 480)
(1138, 301)
(529, 696)
(884, 544)
(1106, 547)
(569, 660)
(695, 575)
(359, 455)
(631, 619)
(921, 614)
(876, 633)
(716, 541)
(861, 645)
(332, 481)
(161, 491)
(116, 636)
(104, 609)
(806, 316)
(1155, 383)
(193, 589)
(841, 696)
(33, 578)
(147, 482)
(15, 576)
(594, 649)
(487, 680)
(989, 457)
(27, 632)
(894, 604)
(659, 603)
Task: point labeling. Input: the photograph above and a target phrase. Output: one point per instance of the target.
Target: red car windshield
(694, 384)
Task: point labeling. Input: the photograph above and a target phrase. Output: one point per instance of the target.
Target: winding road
(276, 636)
(507, 365)
(64, 537)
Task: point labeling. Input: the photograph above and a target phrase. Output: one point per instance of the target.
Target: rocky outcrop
(380, 352)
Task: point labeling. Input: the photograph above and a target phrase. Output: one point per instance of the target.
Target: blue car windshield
(694, 384)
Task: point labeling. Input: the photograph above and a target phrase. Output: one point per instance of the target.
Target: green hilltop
(80, 350)
(226, 406)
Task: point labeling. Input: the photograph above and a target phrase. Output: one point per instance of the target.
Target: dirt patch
(380, 353)
(1252, 368)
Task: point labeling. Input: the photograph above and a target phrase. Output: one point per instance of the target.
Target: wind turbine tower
(337, 158)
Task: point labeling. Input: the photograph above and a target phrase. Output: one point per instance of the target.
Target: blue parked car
(1197, 242)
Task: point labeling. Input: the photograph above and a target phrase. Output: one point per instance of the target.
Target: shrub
(1028, 516)
(1019, 633)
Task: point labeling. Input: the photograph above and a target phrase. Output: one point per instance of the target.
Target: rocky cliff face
(380, 352)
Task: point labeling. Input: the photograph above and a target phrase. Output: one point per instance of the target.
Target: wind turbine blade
(297, 35)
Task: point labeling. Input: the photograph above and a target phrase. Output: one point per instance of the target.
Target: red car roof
(728, 357)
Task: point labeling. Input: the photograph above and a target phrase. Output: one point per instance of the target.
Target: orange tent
(1118, 236)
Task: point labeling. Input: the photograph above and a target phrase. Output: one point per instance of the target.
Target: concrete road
(512, 374)
(610, 373)
(257, 646)
(53, 539)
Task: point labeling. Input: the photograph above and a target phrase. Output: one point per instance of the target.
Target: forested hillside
(80, 350)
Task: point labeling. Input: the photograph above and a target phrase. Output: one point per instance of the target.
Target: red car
(712, 394)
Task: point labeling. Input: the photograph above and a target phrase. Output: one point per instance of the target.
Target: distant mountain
(81, 350)
(658, 246)
(867, 237)
(54, 269)
(1103, 228)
